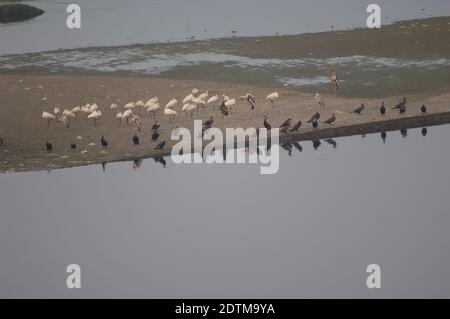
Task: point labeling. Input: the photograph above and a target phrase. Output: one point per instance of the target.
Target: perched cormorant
(424, 131)
(266, 124)
(296, 127)
(316, 144)
(383, 137)
(284, 129)
(315, 124)
(331, 142)
(314, 117)
(135, 139)
(382, 109)
(298, 146)
(155, 136)
(399, 105)
(404, 132)
(161, 145)
(403, 109)
(331, 120)
(359, 109)
(286, 124)
(156, 126)
(48, 146)
(423, 109)
(223, 109)
(208, 124)
(104, 142)
(73, 146)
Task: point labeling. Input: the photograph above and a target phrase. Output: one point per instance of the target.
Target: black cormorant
(359, 109)
(48, 146)
(155, 136)
(315, 124)
(296, 127)
(266, 124)
(104, 142)
(73, 146)
(314, 117)
(135, 139)
(382, 109)
(161, 145)
(423, 109)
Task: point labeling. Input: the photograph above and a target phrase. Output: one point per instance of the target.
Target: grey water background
(199, 231)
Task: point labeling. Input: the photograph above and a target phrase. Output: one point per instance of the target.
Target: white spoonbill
(319, 100)
(119, 118)
(272, 97)
(75, 110)
(47, 116)
(139, 103)
(213, 100)
(68, 114)
(153, 108)
(230, 103)
(93, 107)
(203, 96)
(199, 102)
(114, 106)
(191, 108)
(171, 103)
(127, 114)
(188, 98)
(95, 116)
(129, 105)
(153, 100)
(170, 113)
(195, 91)
(56, 110)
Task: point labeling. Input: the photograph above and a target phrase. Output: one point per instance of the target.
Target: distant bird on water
(296, 127)
(48, 146)
(266, 124)
(359, 109)
(314, 117)
(399, 105)
(161, 145)
(423, 109)
(104, 142)
(382, 109)
(135, 139)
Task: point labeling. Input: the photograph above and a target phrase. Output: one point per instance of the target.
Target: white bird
(129, 105)
(127, 114)
(213, 100)
(171, 103)
(319, 100)
(56, 110)
(137, 121)
(188, 98)
(153, 108)
(93, 107)
(272, 97)
(230, 103)
(114, 106)
(139, 103)
(203, 96)
(191, 108)
(185, 107)
(47, 116)
(95, 116)
(225, 98)
(119, 118)
(194, 91)
(68, 113)
(171, 113)
(199, 102)
(76, 109)
(153, 100)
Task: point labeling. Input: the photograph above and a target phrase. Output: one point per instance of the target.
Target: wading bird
(188, 98)
(213, 100)
(319, 100)
(47, 116)
(272, 97)
(423, 109)
(114, 106)
(359, 109)
(170, 113)
(104, 142)
(171, 103)
(119, 118)
(95, 116)
(56, 110)
(399, 105)
(331, 120)
(230, 103)
(153, 108)
(223, 109)
(126, 115)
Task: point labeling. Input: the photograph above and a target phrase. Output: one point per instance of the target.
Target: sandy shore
(24, 98)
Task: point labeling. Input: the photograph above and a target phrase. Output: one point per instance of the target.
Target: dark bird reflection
(160, 160)
(104, 166)
(298, 146)
(316, 144)
(404, 132)
(137, 163)
(424, 131)
(288, 148)
(331, 142)
(383, 137)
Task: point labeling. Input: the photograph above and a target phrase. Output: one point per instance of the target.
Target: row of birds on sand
(190, 103)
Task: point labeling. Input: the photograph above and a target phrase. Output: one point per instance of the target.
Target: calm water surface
(226, 231)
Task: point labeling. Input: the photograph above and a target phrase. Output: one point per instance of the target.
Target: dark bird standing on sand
(135, 139)
(208, 124)
(156, 126)
(403, 109)
(286, 125)
(48, 146)
(331, 120)
(73, 146)
(266, 124)
(314, 117)
(315, 124)
(155, 135)
(359, 109)
(399, 105)
(104, 142)
(223, 109)
(161, 145)
(296, 127)
(423, 109)
(382, 109)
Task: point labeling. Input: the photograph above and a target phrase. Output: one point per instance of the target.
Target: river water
(226, 231)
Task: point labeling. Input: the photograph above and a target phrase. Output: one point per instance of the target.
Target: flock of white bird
(190, 103)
